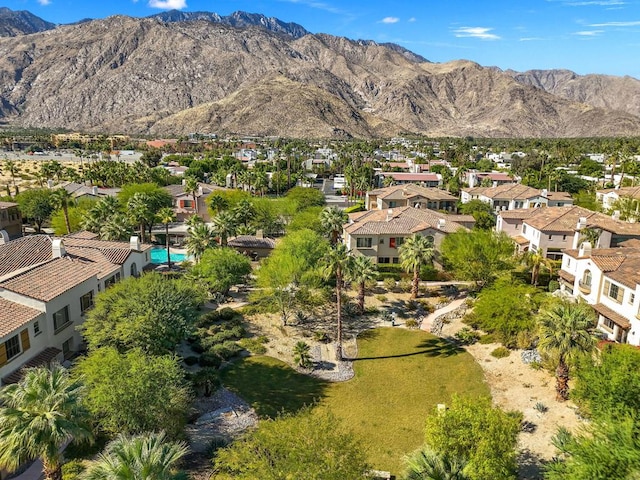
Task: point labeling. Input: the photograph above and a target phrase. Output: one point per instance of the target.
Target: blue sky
(586, 36)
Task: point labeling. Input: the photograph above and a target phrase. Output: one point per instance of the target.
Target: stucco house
(512, 196)
(46, 287)
(10, 221)
(410, 195)
(608, 196)
(379, 233)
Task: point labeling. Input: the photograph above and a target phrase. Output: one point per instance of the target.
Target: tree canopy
(36, 205)
(221, 268)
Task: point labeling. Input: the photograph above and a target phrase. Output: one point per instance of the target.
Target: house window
(364, 242)
(86, 301)
(36, 329)
(112, 280)
(613, 291)
(524, 228)
(67, 348)
(632, 298)
(396, 260)
(382, 241)
(564, 237)
(608, 324)
(12, 347)
(393, 204)
(134, 270)
(187, 203)
(586, 278)
(383, 259)
(61, 319)
(550, 237)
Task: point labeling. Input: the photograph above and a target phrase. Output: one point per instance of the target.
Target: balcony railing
(584, 287)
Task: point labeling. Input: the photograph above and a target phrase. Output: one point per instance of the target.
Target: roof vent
(582, 223)
(441, 223)
(57, 248)
(134, 243)
(585, 249)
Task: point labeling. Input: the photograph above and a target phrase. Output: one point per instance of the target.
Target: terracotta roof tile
(51, 279)
(13, 316)
(102, 244)
(250, 241)
(403, 220)
(567, 276)
(611, 315)
(8, 204)
(24, 252)
(411, 190)
(84, 234)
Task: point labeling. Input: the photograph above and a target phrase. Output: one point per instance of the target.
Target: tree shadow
(432, 347)
(530, 465)
(272, 387)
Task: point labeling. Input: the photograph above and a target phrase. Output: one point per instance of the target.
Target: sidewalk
(428, 321)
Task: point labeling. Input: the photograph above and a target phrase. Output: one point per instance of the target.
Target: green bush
(405, 285)
(210, 360)
(254, 345)
(525, 340)
(225, 314)
(487, 339)
(501, 352)
(226, 350)
(197, 347)
(359, 207)
(382, 298)
(321, 337)
(466, 336)
(72, 470)
(429, 273)
(191, 360)
(554, 285)
(389, 284)
(411, 323)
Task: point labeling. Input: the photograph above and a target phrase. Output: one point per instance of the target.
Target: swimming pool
(159, 255)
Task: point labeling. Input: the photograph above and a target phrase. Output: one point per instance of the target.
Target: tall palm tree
(565, 333)
(332, 220)
(115, 227)
(416, 251)
(139, 208)
(166, 215)
(224, 226)
(61, 199)
(13, 169)
(244, 211)
(336, 262)
(536, 261)
(218, 203)
(591, 235)
(191, 186)
(360, 271)
(200, 239)
(38, 415)
(144, 457)
(426, 464)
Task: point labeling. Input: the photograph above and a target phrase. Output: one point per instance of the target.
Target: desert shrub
(191, 360)
(412, 305)
(525, 340)
(72, 470)
(501, 352)
(371, 310)
(471, 319)
(405, 285)
(321, 337)
(466, 336)
(210, 360)
(487, 339)
(255, 345)
(382, 298)
(429, 273)
(411, 323)
(389, 284)
(226, 350)
(426, 305)
(553, 285)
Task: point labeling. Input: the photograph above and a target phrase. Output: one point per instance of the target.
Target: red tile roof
(13, 316)
(24, 252)
(402, 221)
(412, 177)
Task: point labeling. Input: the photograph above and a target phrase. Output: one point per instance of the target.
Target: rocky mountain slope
(125, 74)
(605, 91)
(21, 22)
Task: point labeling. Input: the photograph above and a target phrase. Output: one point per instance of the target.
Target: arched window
(586, 278)
(134, 270)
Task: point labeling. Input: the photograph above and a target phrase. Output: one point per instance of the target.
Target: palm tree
(200, 239)
(191, 186)
(244, 211)
(416, 251)
(302, 354)
(361, 271)
(564, 332)
(144, 457)
(591, 235)
(332, 220)
(38, 416)
(115, 227)
(166, 215)
(61, 199)
(426, 464)
(336, 262)
(224, 226)
(218, 203)
(536, 261)
(13, 168)
(139, 206)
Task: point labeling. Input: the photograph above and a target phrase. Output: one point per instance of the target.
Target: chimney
(585, 249)
(94, 190)
(57, 248)
(582, 223)
(389, 214)
(616, 215)
(494, 184)
(199, 193)
(544, 192)
(134, 243)
(259, 233)
(441, 223)
(4, 237)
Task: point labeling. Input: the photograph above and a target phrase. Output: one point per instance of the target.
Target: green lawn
(400, 376)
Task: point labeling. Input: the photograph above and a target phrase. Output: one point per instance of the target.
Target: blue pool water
(159, 255)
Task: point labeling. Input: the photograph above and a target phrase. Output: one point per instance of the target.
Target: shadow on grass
(433, 347)
(272, 387)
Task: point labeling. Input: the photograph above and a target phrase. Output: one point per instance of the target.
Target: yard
(401, 375)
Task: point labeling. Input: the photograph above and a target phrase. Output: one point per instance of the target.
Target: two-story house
(554, 229)
(401, 178)
(10, 220)
(46, 288)
(183, 202)
(474, 178)
(379, 233)
(609, 280)
(513, 196)
(410, 195)
(609, 196)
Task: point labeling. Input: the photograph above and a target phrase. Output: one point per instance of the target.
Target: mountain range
(180, 72)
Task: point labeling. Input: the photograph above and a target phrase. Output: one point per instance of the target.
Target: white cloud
(389, 20)
(318, 5)
(529, 39)
(600, 3)
(589, 33)
(44, 2)
(168, 4)
(412, 19)
(476, 32)
(616, 24)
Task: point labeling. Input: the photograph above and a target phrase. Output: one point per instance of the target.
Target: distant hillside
(604, 91)
(150, 75)
(21, 22)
